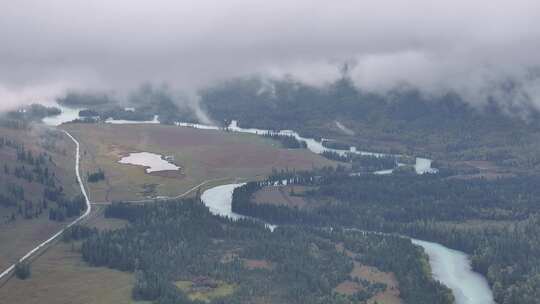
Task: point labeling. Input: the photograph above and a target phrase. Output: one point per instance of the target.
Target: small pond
(153, 162)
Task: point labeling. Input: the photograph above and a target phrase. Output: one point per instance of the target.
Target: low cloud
(472, 47)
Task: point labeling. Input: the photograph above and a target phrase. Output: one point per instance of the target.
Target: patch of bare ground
(257, 264)
(372, 275)
(341, 248)
(283, 196)
(20, 236)
(59, 276)
(348, 288)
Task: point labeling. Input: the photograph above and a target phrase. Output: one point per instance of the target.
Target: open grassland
(60, 276)
(202, 154)
(20, 236)
(290, 196)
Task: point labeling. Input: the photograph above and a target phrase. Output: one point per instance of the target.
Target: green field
(221, 290)
(203, 155)
(60, 276)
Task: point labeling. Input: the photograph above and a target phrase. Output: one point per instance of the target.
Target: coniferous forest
(495, 221)
(164, 246)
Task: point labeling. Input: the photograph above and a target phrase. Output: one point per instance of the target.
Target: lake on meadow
(151, 161)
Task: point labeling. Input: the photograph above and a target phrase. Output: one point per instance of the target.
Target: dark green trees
(22, 270)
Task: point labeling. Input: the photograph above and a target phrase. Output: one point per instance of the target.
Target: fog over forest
(481, 49)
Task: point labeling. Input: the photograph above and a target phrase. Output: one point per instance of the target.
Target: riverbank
(451, 267)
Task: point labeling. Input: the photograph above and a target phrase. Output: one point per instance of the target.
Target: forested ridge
(141, 104)
(403, 121)
(506, 249)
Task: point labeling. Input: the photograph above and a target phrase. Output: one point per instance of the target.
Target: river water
(422, 165)
(451, 267)
(69, 114)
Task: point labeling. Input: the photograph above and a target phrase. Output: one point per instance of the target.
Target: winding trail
(6, 273)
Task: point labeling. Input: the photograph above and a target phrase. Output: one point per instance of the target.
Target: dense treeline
(332, 155)
(78, 232)
(142, 104)
(22, 270)
(423, 206)
(33, 113)
(77, 99)
(370, 163)
(331, 144)
(427, 197)
(363, 163)
(96, 176)
(446, 126)
(304, 264)
(287, 141)
(66, 208)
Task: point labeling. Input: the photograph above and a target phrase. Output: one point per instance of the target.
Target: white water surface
(153, 162)
(155, 120)
(453, 269)
(67, 115)
(70, 114)
(422, 165)
(196, 126)
(344, 129)
(219, 199)
(219, 202)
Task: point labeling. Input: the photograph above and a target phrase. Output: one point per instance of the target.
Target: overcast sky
(47, 47)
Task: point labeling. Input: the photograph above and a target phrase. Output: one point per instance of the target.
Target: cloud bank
(471, 47)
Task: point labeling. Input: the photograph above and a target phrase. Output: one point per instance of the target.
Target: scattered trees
(22, 270)
(96, 176)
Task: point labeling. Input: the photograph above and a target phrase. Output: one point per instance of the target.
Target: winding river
(422, 165)
(451, 267)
